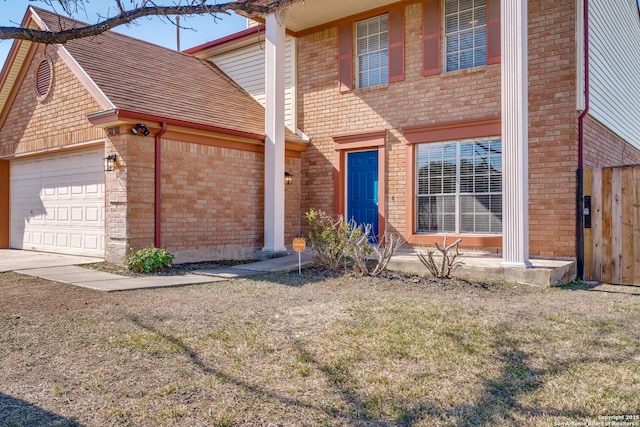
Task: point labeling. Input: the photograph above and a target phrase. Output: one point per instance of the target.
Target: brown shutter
(493, 31)
(431, 38)
(345, 58)
(396, 45)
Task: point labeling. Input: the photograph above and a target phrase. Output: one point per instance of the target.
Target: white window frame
(478, 23)
(383, 68)
(494, 196)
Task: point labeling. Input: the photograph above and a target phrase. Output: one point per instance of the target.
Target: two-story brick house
(430, 118)
(470, 118)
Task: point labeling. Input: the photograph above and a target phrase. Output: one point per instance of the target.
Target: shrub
(329, 239)
(447, 255)
(148, 259)
(371, 260)
(340, 244)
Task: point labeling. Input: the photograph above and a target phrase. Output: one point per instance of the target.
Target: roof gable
(130, 75)
(138, 76)
(123, 73)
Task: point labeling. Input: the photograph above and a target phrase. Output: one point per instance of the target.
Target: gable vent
(44, 78)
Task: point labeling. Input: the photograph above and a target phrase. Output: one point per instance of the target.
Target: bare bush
(371, 260)
(442, 264)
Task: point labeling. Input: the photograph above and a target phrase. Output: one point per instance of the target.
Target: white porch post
(274, 130)
(515, 126)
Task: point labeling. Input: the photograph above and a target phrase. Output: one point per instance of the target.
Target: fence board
(636, 225)
(612, 245)
(627, 243)
(596, 220)
(607, 252)
(616, 225)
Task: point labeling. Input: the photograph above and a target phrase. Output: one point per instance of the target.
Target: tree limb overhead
(140, 10)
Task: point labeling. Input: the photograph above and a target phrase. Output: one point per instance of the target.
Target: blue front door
(362, 188)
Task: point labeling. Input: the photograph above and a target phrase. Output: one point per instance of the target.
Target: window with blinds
(465, 33)
(372, 51)
(459, 187)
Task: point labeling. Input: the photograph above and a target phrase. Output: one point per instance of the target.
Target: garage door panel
(92, 242)
(63, 214)
(57, 203)
(92, 215)
(75, 240)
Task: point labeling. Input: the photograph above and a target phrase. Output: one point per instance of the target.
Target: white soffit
(13, 72)
(312, 13)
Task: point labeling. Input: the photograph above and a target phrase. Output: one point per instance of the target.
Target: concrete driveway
(15, 260)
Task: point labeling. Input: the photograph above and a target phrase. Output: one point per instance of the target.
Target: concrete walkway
(66, 269)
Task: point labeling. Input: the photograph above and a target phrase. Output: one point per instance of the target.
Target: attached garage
(57, 203)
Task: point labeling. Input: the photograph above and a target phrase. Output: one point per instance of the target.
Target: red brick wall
(603, 148)
(61, 119)
(116, 225)
(212, 199)
(448, 97)
(139, 159)
(553, 129)
(292, 195)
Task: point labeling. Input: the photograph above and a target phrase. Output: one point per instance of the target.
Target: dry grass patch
(315, 350)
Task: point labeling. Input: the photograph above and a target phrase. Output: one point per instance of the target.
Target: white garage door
(57, 203)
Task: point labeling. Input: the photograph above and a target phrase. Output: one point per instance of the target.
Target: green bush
(334, 240)
(148, 259)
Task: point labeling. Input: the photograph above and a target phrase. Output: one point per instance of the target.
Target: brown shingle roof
(139, 76)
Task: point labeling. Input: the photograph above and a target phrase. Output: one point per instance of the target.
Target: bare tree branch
(145, 8)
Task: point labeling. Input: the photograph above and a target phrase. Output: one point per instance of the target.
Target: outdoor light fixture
(288, 178)
(110, 163)
(140, 129)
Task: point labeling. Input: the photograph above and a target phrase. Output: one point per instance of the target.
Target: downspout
(581, 118)
(158, 186)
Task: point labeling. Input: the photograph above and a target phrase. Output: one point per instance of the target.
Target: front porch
(483, 266)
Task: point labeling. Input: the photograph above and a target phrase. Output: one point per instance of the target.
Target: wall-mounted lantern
(140, 129)
(288, 178)
(110, 163)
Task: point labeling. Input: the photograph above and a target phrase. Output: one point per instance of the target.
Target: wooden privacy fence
(612, 225)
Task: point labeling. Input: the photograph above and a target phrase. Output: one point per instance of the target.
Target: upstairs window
(372, 51)
(465, 35)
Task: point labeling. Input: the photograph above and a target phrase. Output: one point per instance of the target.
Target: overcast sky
(154, 30)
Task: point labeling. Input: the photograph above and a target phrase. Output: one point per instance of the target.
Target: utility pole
(178, 33)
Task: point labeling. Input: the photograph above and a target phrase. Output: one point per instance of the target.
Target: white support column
(274, 130)
(515, 127)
